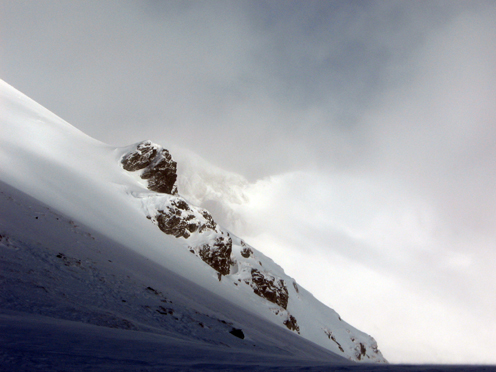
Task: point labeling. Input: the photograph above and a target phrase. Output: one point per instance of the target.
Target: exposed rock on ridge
(174, 216)
(218, 255)
(270, 288)
(178, 218)
(157, 164)
(228, 256)
(292, 324)
(181, 220)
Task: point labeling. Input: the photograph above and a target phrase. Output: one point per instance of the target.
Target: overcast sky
(351, 141)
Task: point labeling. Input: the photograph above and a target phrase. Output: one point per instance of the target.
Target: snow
(59, 277)
(80, 259)
(59, 345)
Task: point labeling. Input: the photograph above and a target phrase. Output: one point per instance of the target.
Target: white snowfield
(80, 260)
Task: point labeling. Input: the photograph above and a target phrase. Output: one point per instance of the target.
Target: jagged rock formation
(157, 165)
(109, 280)
(360, 351)
(292, 324)
(246, 252)
(288, 320)
(218, 255)
(181, 220)
(174, 216)
(178, 218)
(270, 288)
(331, 337)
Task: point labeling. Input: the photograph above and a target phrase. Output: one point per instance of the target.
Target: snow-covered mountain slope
(56, 274)
(139, 252)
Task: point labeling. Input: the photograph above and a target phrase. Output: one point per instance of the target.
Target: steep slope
(129, 196)
(53, 266)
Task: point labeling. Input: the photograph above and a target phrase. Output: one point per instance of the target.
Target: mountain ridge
(56, 270)
(68, 170)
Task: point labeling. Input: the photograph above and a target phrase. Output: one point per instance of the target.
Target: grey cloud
(436, 134)
(264, 73)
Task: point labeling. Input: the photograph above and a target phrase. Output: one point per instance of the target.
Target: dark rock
(270, 288)
(209, 224)
(173, 223)
(218, 256)
(331, 337)
(246, 252)
(159, 168)
(360, 351)
(181, 204)
(141, 158)
(161, 174)
(179, 220)
(292, 324)
(238, 333)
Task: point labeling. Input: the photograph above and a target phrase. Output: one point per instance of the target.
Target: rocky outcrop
(288, 320)
(157, 166)
(232, 259)
(179, 219)
(360, 351)
(331, 337)
(292, 324)
(218, 254)
(270, 288)
(246, 252)
(238, 333)
(209, 224)
(172, 224)
(141, 158)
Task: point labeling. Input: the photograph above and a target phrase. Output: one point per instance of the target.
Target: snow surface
(57, 274)
(62, 308)
(87, 279)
